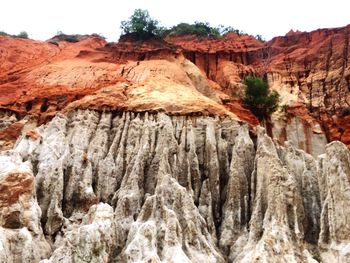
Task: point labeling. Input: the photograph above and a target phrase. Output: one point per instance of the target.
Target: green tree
(224, 30)
(142, 24)
(3, 33)
(261, 101)
(202, 29)
(260, 38)
(23, 34)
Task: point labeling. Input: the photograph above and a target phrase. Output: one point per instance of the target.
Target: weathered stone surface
(169, 227)
(145, 187)
(276, 230)
(91, 241)
(236, 209)
(21, 235)
(296, 125)
(334, 183)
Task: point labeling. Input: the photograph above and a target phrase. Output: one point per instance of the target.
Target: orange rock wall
(41, 78)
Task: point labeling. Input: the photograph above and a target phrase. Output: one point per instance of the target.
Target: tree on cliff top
(202, 29)
(22, 34)
(261, 101)
(143, 27)
(141, 24)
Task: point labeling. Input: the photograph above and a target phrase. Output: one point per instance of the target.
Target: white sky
(43, 18)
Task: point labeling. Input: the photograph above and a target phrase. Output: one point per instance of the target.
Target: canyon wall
(144, 152)
(308, 68)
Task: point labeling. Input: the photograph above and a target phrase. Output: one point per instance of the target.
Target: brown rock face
(311, 68)
(102, 78)
(21, 238)
(308, 68)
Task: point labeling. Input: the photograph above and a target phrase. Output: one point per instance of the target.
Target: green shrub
(141, 24)
(260, 38)
(99, 35)
(202, 29)
(23, 34)
(2, 33)
(60, 36)
(224, 30)
(261, 101)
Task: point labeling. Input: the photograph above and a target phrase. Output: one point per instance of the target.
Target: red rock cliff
(309, 70)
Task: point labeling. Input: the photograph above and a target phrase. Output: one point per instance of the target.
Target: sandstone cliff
(142, 152)
(307, 68)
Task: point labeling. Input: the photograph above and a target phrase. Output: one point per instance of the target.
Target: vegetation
(65, 37)
(74, 38)
(202, 29)
(22, 34)
(260, 38)
(142, 25)
(261, 101)
(98, 35)
(225, 30)
(2, 33)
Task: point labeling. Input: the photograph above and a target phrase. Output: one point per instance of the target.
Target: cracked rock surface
(150, 187)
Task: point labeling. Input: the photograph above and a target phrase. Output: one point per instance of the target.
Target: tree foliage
(65, 37)
(3, 33)
(227, 29)
(202, 29)
(142, 24)
(261, 101)
(22, 34)
(260, 38)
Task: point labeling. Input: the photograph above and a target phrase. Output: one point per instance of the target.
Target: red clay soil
(42, 78)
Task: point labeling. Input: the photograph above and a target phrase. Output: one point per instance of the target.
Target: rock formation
(136, 187)
(311, 68)
(144, 153)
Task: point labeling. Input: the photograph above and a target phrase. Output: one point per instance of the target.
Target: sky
(42, 19)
